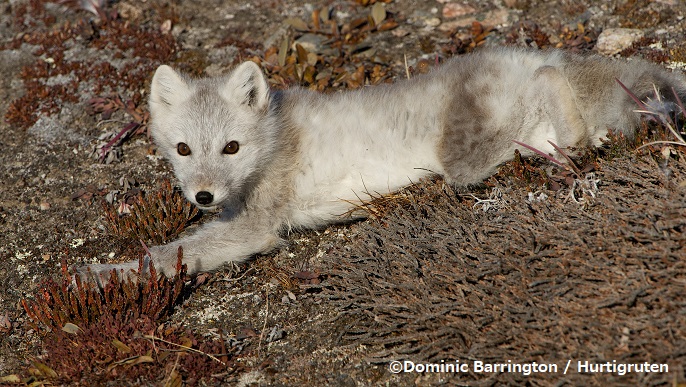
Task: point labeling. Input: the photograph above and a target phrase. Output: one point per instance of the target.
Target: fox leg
(561, 108)
(214, 244)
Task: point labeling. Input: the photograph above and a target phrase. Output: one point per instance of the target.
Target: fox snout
(204, 198)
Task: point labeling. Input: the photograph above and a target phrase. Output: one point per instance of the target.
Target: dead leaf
(186, 342)
(121, 346)
(163, 355)
(667, 152)
(308, 74)
(316, 19)
(296, 23)
(378, 13)
(173, 380)
(5, 324)
(326, 16)
(131, 361)
(354, 24)
(387, 25)
(302, 53)
(71, 328)
(283, 52)
(106, 360)
(45, 370)
(10, 379)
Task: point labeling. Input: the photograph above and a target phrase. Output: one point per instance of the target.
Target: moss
(156, 218)
(114, 334)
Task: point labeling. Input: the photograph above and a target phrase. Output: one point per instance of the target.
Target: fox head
(213, 131)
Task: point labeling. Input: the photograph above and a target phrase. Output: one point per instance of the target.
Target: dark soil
(511, 271)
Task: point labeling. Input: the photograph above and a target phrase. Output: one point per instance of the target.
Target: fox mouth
(217, 202)
(206, 207)
(205, 202)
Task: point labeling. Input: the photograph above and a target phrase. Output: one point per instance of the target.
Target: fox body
(296, 158)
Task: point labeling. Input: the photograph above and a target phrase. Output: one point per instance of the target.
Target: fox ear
(168, 88)
(247, 85)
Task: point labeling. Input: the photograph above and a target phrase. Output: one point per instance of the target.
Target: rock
(425, 19)
(498, 17)
(312, 43)
(453, 10)
(614, 40)
(400, 32)
(432, 22)
(130, 12)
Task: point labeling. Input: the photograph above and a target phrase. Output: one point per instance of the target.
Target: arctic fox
(301, 159)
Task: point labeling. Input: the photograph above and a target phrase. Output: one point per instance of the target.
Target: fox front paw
(100, 274)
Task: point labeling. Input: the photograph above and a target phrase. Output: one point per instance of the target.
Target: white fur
(306, 158)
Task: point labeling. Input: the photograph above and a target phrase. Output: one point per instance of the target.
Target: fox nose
(204, 197)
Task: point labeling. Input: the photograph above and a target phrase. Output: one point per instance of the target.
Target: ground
(524, 268)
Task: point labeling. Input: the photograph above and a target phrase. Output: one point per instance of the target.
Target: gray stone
(614, 40)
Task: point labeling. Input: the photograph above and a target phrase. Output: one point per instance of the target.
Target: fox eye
(183, 149)
(230, 148)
